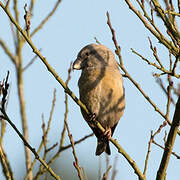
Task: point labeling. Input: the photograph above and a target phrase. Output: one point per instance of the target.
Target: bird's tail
(102, 146)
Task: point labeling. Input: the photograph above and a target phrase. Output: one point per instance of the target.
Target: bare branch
(173, 153)
(7, 51)
(160, 82)
(155, 53)
(97, 40)
(16, 12)
(175, 65)
(31, 6)
(5, 117)
(27, 18)
(179, 5)
(170, 143)
(105, 175)
(154, 30)
(46, 18)
(170, 25)
(76, 162)
(5, 165)
(4, 86)
(147, 155)
(170, 86)
(44, 138)
(118, 52)
(68, 91)
(30, 63)
(7, 4)
(114, 172)
(50, 69)
(150, 142)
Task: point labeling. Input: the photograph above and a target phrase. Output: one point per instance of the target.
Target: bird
(101, 90)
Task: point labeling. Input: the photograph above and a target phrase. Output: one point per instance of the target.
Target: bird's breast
(102, 92)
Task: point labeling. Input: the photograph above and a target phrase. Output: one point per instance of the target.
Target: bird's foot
(92, 117)
(108, 133)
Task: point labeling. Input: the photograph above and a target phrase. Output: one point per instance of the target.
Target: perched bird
(101, 90)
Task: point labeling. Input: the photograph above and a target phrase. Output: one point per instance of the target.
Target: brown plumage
(101, 90)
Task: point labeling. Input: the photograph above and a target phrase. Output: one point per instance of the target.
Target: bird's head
(94, 56)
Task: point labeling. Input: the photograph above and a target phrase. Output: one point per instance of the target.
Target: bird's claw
(92, 117)
(108, 133)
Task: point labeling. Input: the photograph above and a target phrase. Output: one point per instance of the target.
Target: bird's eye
(87, 53)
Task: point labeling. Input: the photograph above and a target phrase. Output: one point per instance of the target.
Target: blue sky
(74, 25)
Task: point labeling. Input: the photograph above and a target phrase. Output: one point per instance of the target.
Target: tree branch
(170, 143)
(40, 26)
(118, 52)
(154, 30)
(71, 94)
(5, 117)
(7, 51)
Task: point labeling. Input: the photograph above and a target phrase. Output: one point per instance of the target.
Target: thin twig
(154, 50)
(97, 40)
(52, 147)
(84, 173)
(169, 97)
(175, 65)
(44, 137)
(31, 62)
(118, 52)
(32, 6)
(16, 12)
(153, 29)
(27, 18)
(173, 153)
(51, 112)
(6, 168)
(150, 142)
(7, 51)
(66, 112)
(105, 175)
(76, 162)
(160, 82)
(148, 154)
(169, 25)
(45, 20)
(5, 117)
(161, 68)
(99, 168)
(75, 142)
(107, 161)
(7, 4)
(114, 171)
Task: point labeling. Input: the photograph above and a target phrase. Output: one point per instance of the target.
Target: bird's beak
(77, 64)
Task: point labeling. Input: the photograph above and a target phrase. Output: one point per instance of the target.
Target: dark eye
(87, 53)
